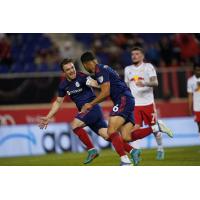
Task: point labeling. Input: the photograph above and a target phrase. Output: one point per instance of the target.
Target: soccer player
(193, 89)
(141, 78)
(121, 118)
(77, 86)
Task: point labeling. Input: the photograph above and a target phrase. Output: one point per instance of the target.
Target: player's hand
(86, 107)
(140, 84)
(43, 123)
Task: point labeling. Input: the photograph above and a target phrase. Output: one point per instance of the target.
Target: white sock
(155, 128)
(125, 159)
(158, 137)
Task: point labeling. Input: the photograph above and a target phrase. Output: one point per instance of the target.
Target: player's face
(89, 66)
(70, 71)
(197, 72)
(137, 57)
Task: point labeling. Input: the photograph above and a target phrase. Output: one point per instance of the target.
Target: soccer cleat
(160, 155)
(163, 128)
(135, 156)
(92, 154)
(125, 164)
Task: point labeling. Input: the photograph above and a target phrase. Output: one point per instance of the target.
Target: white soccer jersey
(143, 95)
(193, 86)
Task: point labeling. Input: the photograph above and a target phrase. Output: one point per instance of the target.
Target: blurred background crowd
(29, 62)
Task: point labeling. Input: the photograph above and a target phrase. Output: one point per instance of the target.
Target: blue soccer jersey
(119, 92)
(77, 90)
(81, 94)
(118, 87)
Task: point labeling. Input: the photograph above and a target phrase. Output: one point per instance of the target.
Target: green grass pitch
(180, 156)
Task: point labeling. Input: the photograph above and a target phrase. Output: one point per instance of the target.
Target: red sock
(127, 147)
(84, 137)
(141, 133)
(117, 142)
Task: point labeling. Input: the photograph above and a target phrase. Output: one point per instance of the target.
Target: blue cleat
(135, 156)
(160, 155)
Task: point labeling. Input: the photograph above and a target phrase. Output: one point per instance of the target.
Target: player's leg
(197, 120)
(114, 124)
(150, 118)
(134, 152)
(78, 123)
(198, 124)
(103, 132)
(130, 135)
(77, 127)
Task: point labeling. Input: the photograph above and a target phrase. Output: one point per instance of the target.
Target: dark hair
(196, 65)
(138, 49)
(65, 61)
(87, 56)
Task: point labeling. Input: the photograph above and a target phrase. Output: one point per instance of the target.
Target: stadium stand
(27, 59)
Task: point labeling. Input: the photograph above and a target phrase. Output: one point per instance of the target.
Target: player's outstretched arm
(54, 109)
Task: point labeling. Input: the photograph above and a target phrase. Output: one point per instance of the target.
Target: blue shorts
(93, 118)
(124, 107)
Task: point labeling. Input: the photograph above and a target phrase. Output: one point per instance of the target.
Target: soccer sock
(158, 138)
(118, 144)
(141, 133)
(84, 137)
(127, 147)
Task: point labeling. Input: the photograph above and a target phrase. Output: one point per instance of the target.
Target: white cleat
(125, 164)
(163, 128)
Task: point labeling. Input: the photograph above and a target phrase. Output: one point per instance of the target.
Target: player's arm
(190, 102)
(153, 82)
(104, 93)
(54, 109)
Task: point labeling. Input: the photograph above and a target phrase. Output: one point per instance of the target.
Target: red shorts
(197, 117)
(146, 114)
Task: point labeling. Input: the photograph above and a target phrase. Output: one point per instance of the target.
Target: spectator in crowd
(5, 50)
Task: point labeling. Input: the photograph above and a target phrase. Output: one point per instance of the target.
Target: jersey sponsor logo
(100, 79)
(105, 66)
(136, 78)
(74, 91)
(77, 84)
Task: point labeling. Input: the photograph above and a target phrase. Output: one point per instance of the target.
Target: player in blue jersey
(121, 118)
(78, 86)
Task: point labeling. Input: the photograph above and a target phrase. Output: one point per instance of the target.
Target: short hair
(87, 56)
(65, 61)
(196, 65)
(138, 49)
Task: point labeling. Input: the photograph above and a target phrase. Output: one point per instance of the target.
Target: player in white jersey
(141, 78)
(193, 89)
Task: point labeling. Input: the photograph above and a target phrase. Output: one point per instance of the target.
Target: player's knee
(74, 125)
(111, 130)
(126, 137)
